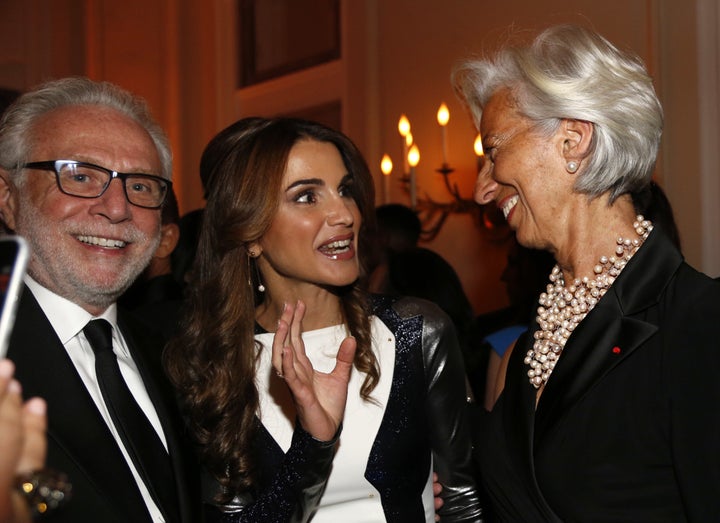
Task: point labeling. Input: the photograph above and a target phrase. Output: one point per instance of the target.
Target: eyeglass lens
(87, 181)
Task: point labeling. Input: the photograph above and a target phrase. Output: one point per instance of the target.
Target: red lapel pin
(616, 350)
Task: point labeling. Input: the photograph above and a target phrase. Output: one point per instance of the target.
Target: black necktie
(141, 441)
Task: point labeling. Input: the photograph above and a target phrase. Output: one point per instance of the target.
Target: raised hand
(319, 397)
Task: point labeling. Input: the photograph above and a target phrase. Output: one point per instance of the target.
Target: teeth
(102, 242)
(340, 244)
(512, 202)
(337, 245)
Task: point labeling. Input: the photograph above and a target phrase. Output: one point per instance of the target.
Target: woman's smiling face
(523, 171)
(314, 235)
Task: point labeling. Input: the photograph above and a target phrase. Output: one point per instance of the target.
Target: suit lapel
(610, 332)
(593, 350)
(75, 425)
(520, 424)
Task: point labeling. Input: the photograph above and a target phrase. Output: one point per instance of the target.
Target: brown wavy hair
(212, 360)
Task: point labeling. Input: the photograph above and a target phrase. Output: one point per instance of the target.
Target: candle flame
(478, 146)
(409, 139)
(443, 115)
(414, 155)
(404, 126)
(386, 165)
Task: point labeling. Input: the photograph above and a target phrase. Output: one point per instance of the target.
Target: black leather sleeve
(446, 405)
(294, 493)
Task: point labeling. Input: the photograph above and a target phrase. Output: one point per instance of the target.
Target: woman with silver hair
(606, 409)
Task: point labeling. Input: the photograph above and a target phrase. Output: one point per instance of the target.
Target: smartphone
(14, 253)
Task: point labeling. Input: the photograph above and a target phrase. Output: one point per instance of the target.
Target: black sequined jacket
(426, 412)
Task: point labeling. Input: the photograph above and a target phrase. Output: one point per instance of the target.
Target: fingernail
(37, 406)
(7, 368)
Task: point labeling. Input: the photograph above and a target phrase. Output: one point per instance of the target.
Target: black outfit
(156, 302)
(289, 487)
(79, 441)
(627, 428)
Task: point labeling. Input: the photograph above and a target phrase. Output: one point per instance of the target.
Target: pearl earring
(260, 287)
(572, 167)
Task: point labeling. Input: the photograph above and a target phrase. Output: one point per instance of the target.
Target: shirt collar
(67, 318)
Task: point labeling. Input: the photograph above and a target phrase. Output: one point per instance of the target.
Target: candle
(404, 130)
(403, 125)
(413, 158)
(479, 151)
(443, 117)
(386, 166)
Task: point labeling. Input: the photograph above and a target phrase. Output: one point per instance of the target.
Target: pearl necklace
(563, 308)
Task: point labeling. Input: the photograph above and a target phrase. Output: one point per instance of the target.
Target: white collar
(67, 318)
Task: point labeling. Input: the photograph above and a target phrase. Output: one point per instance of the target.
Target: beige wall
(397, 58)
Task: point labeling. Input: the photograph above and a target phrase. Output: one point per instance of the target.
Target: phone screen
(13, 262)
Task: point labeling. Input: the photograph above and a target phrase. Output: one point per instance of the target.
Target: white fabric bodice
(349, 497)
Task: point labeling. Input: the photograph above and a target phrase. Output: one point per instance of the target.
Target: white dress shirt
(68, 320)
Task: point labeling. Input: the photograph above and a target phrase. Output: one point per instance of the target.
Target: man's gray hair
(18, 120)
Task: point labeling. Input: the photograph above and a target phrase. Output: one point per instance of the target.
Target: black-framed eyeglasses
(86, 180)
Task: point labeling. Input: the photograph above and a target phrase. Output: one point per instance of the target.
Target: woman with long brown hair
(278, 287)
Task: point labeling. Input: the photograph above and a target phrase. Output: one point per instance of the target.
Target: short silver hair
(569, 72)
(19, 119)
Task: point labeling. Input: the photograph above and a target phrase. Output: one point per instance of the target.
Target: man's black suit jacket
(79, 441)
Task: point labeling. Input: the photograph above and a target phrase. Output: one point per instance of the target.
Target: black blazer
(79, 441)
(628, 426)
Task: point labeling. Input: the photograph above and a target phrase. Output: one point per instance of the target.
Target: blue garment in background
(500, 340)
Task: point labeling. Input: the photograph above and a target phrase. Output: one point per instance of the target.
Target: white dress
(349, 497)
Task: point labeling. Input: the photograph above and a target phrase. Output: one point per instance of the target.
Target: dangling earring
(572, 167)
(253, 255)
(260, 287)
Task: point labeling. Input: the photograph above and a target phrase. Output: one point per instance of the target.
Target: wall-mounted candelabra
(433, 213)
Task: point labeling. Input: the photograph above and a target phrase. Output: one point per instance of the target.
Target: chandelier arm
(430, 209)
(431, 233)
